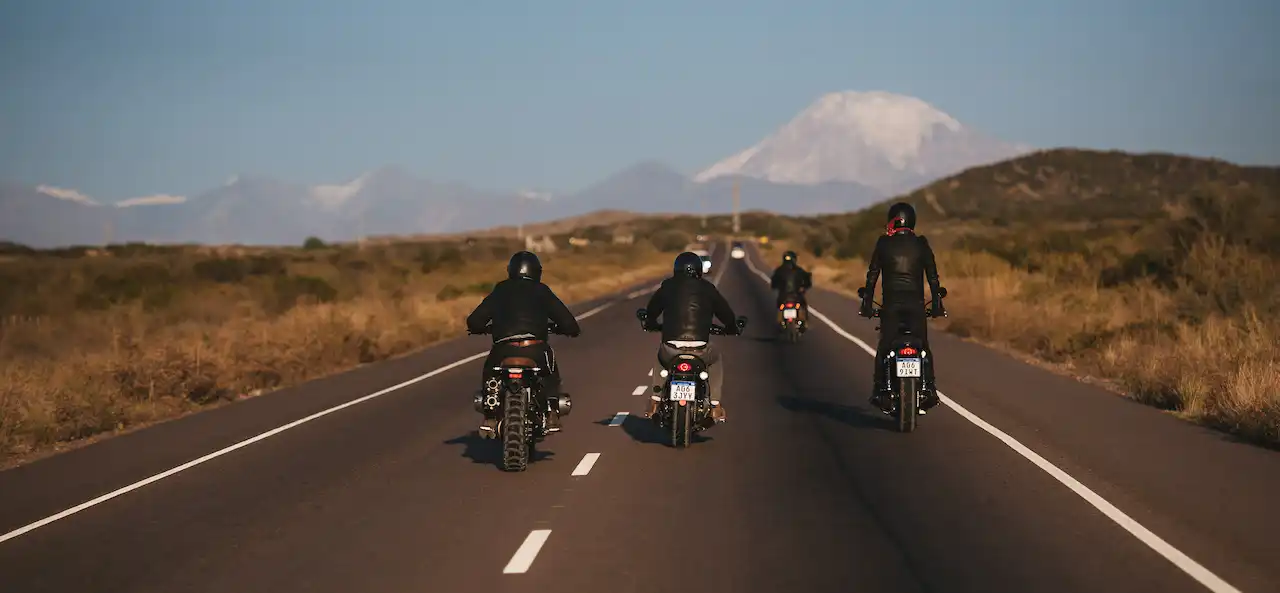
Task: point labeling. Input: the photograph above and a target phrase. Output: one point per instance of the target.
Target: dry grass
(1171, 348)
(1154, 273)
(93, 345)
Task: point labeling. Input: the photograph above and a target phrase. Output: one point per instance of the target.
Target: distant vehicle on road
(706, 260)
(737, 251)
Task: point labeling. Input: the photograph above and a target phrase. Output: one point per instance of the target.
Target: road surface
(1023, 481)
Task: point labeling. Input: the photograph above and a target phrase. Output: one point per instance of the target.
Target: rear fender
(515, 378)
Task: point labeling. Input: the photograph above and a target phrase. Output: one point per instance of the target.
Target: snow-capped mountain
(844, 152)
(886, 141)
(253, 209)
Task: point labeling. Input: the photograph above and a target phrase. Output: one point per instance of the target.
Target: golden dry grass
(1207, 349)
(96, 345)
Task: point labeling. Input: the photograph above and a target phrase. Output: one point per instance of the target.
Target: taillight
(908, 351)
(684, 367)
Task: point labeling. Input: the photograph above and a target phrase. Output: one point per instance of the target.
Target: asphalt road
(1023, 481)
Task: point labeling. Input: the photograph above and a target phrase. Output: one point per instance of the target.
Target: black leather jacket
(907, 262)
(520, 309)
(791, 280)
(688, 306)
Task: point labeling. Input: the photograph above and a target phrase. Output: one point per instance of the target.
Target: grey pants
(709, 355)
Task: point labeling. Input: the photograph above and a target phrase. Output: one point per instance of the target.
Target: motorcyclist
(791, 282)
(907, 262)
(520, 308)
(688, 303)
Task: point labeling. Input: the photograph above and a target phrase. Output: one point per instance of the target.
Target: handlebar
(488, 329)
(715, 330)
(928, 310)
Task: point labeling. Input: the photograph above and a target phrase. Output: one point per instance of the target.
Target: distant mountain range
(845, 151)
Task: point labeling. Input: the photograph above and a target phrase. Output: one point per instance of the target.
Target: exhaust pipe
(564, 404)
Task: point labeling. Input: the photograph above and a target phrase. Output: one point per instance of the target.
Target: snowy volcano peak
(896, 125)
(877, 138)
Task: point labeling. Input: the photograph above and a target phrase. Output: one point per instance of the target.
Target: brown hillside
(1156, 272)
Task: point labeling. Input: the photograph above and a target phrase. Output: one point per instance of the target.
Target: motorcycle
(516, 394)
(685, 405)
(907, 355)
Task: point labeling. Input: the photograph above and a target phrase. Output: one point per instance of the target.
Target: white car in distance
(706, 260)
(737, 252)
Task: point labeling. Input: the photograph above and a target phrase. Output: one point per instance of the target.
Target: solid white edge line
(584, 466)
(641, 389)
(528, 551)
(1175, 556)
(619, 418)
(270, 433)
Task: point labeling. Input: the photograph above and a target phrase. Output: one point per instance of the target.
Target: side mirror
(742, 322)
(942, 292)
(642, 314)
(862, 292)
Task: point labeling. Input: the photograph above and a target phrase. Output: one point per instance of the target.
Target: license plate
(789, 313)
(683, 391)
(908, 367)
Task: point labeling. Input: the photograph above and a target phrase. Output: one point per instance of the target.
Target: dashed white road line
(639, 390)
(528, 551)
(650, 372)
(618, 419)
(584, 466)
(1179, 559)
(270, 433)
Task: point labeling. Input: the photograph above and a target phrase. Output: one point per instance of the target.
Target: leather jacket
(688, 306)
(520, 310)
(906, 260)
(790, 280)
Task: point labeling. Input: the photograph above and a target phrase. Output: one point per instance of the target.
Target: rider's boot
(931, 398)
(652, 412)
(489, 426)
(880, 391)
(553, 416)
(717, 411)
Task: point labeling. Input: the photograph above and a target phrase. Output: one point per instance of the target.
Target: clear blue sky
(120, 98)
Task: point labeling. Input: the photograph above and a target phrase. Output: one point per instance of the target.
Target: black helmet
(789, 258)
(901, 216)
(689, 264)
(525, 265)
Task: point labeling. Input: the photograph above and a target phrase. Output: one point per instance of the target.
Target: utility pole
(520, 217)
(737, 202)
(703, 204)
